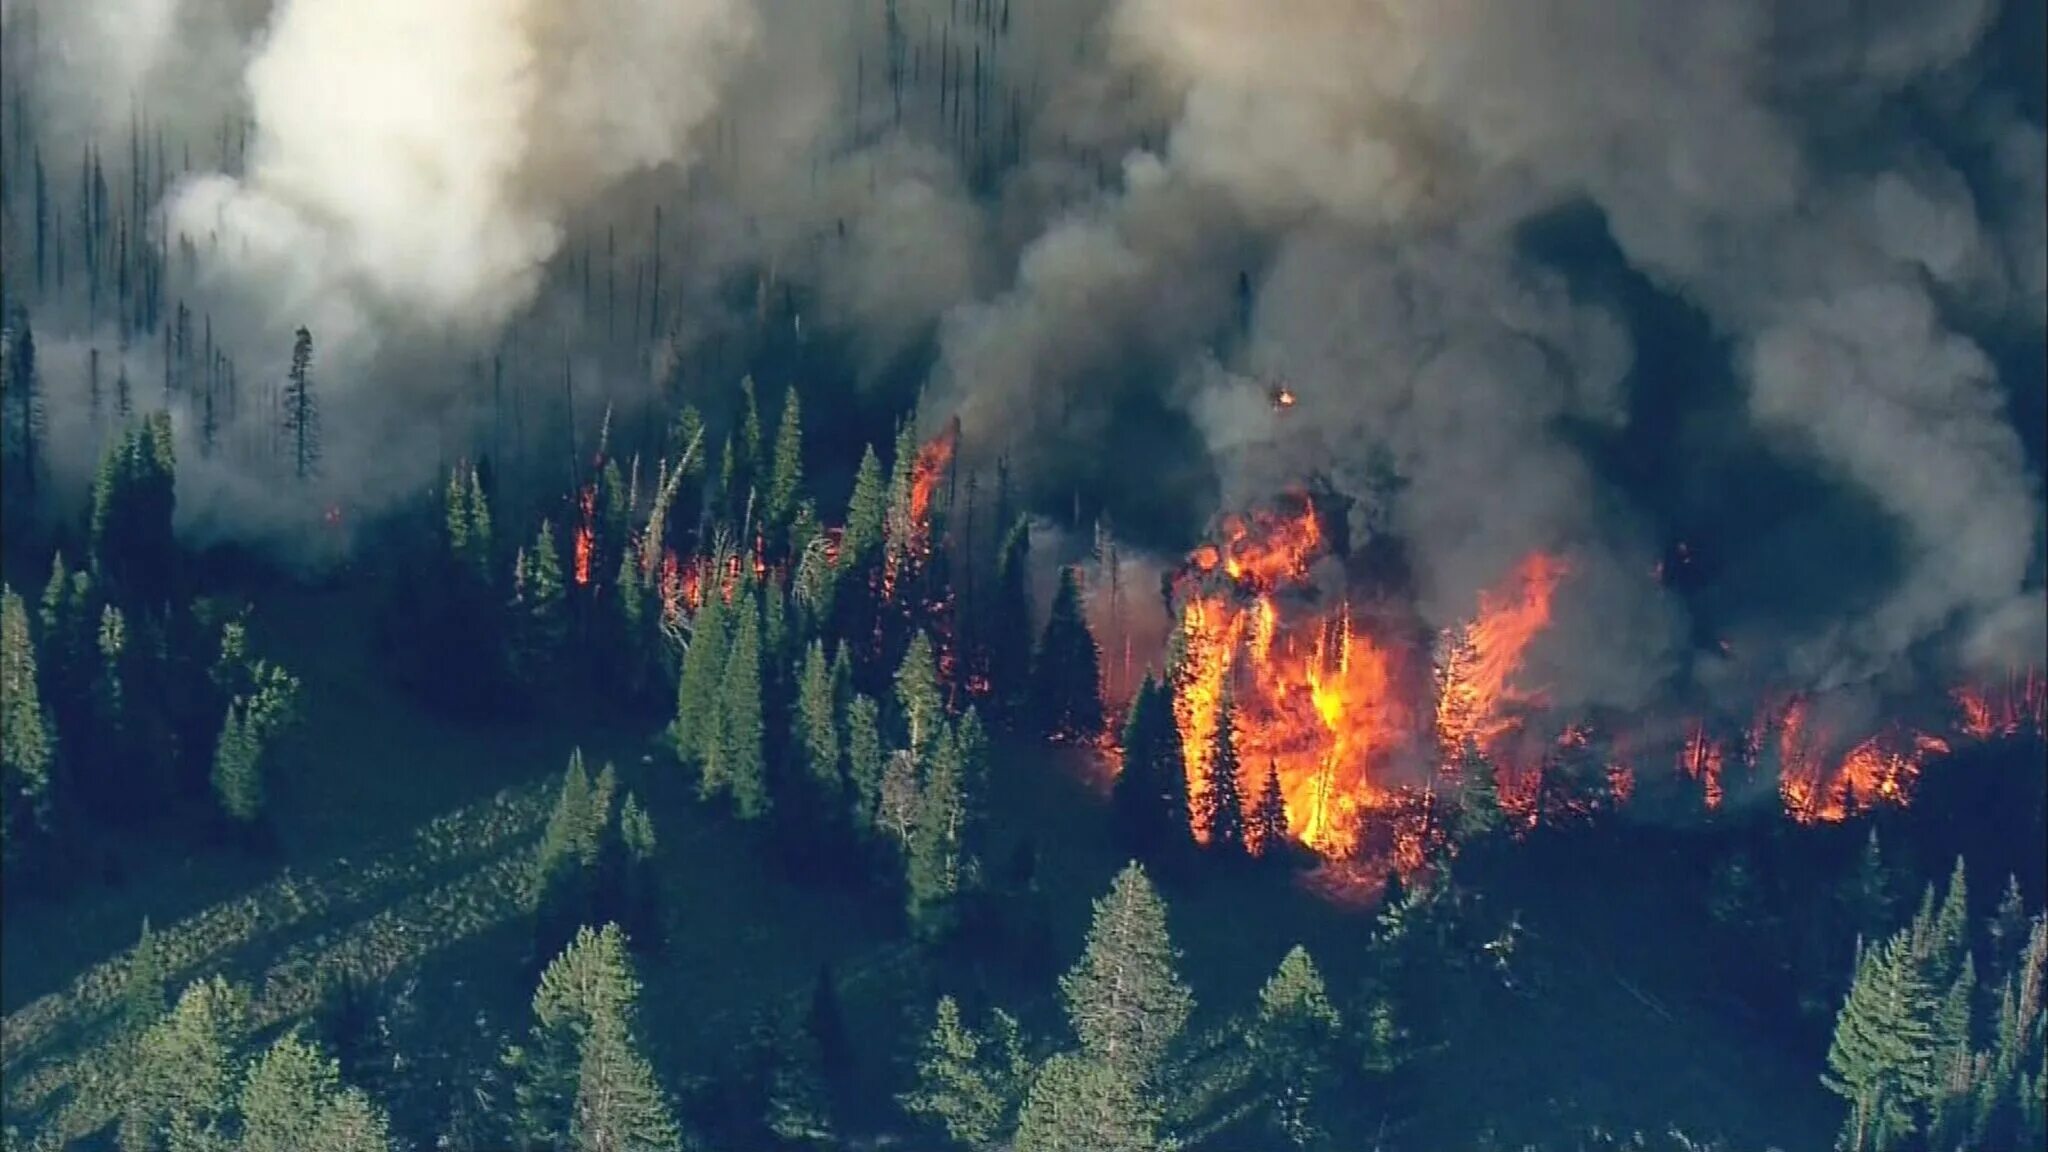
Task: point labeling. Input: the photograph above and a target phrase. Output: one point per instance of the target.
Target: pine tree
(540, 625)
(864, 514)
(1078, 1104)
(1222, 801)
(1293, 1045)
(642, 895)
(2008, 930)
(697, 688)
(27, 737)
(302, 417)
(1951, 931)
(1150, 798)
(1009, 626)
(1123, 997)
(969, 1084)
(293, 1101)
(181, 1090)
(237, 778)
(1268, 831)
(816, 738)
(579, 1082)
(741, 764)
(1882, 1059)
(786, 475)
(932, 870)
(142, 984)
(865, 760)
(1066, 680)
(1479, 811)
(918, 700)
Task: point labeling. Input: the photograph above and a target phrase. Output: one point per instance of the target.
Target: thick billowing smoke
(1141, 215)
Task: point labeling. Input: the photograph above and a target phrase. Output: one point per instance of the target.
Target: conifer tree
(742, 762)
(540, 625)
(865, 760)
(932, 870)
(1882, 1059)
(864, 514)
(642, 896)
(294, 1101)
(1150, 798)
(237, 781)
(816, 738)
(27, 738)
(1009, 626)
(1123, 998)
(1268, 832)
(1222, 801)
(967, 1083)
(697, 688)
(1478, 813)
(181, 1091)
(786, 473)
(142, 984)
(1076, 1104)
(302, 420)
(1293, 1042)
(579, 1082)
(747, 470)
(918, 701)
(1066, 680)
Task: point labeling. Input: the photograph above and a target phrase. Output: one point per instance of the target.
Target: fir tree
(1066, 680)
(968, 1084)
(302, 418)
(741, 762)
(540, 625)
(1150, 799)
(1882, 1059)
(1077, 1104)
(932, 870)
(786, 474)
(142, 984)
(642, 881)
(1478, 813)
(27, 740)
(293, 1101)
(1293, 1044)
(865, 760)
(1124, 999)
(865, 512)
(697, 689)
(918, 701)
(816, 738)
(579, 1081)
(237, 777)
(1222, 802)
(181, 1091)
(1009, 626)
(1268, 830)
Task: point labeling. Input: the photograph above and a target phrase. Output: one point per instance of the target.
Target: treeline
(126, 697)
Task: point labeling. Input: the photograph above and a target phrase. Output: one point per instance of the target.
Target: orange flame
(586, 534)
(932, 461)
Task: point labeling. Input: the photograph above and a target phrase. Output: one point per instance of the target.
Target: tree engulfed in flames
(1334, 709)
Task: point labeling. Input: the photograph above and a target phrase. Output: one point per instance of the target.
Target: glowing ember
(586, 534)
(1701, 760)
(932, 461)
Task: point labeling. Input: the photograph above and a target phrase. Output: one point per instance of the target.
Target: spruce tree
(786, 473)
(968, 1084)
(540, 624)
(293, 1100)
(579, 1082)
(1009, 626)
(1268, 831)
(932, 870)
(142, 984)
(1882, 1058)
(1123, 998)
(1222, 801)
(27, 738)
(865, 760)
(1478, 813)
(1077, 1104)
(237, 778)
(1293, 1042)
(1066, 680)
(816, 738)
(641, 914)
(741, 762)
(1150, 799)
(919, 703)
(697, 688)
(181, 1091)
(864, 514)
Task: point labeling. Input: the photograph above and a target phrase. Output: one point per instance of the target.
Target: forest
(954, 581)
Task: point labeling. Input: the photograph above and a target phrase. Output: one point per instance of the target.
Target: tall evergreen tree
(1223, 801)
(1478, 811)
(1076, 1104)
(1267, 833)
(27, 737)
(142, 984)
(816, 738)
(293, 1100)
(1882, 1059)
(919, 703)
(302, 415)
(1066, 680)
(1293, 1042)
(742, 760)
(1150, 797)
(697, 688)
(1008, 626)
(181, 1091)
(969, 1084)
(540, 623)
(786, 472)
(864, 514)
(932, 870)
(1123, 997)
(865, 760)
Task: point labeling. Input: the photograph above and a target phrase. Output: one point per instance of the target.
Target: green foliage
(539, 627)
(1293, 1044)
(969, 1084)
(134, 497)
(1478, 814)
(919, 703)
(142, 984)
(697, 689)
(1124, 999)
(1009, 626)
(865, 760)
(27, 739)
(786, 472)
(1222, 802)
(1066, 679)
(1268, 830)
(816, 738)
(1882, 1059)
(741, 765)
(1080, 1104)
(933, 866)
(580, 1081)
(865, 512)
(293, 1101)
(182, 1087)
(254, 721)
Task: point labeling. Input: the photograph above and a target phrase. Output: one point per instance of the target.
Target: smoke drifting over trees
(1583, 275)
